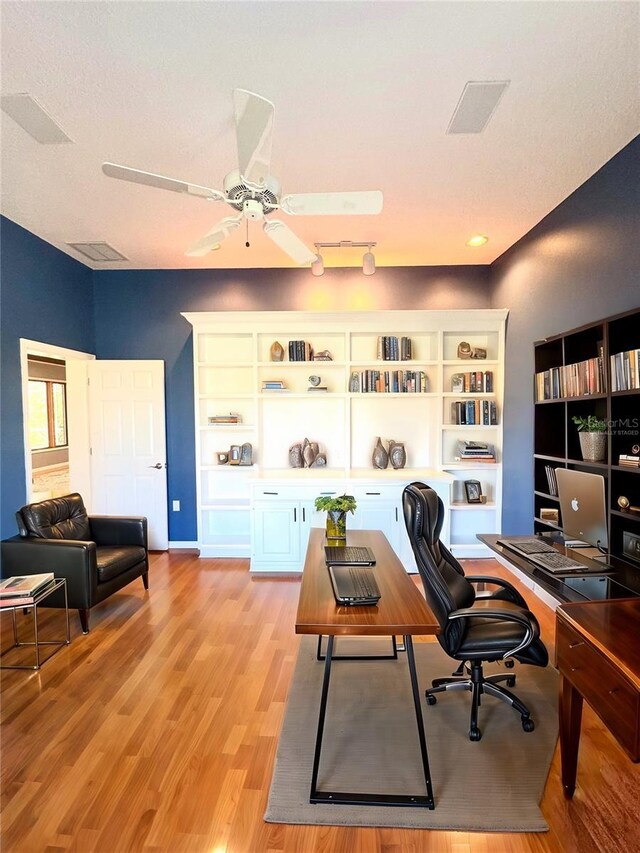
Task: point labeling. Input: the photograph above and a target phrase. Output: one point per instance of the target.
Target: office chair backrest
(445, 586)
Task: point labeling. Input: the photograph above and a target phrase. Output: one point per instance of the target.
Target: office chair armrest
(499, 582)
(524, 617)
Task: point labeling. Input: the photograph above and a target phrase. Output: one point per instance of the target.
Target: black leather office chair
(474, 630)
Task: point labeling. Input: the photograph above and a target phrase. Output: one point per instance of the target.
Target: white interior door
(128, 445)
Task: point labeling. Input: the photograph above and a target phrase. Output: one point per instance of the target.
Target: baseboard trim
(183, 546)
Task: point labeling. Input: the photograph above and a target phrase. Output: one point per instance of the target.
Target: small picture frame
(473, 491)
(234, 454)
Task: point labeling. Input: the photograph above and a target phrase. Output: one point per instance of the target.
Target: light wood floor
(158, 730)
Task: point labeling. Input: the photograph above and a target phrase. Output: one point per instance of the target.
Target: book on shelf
(24, 585)
(231, 418)
(317, 388)
(474, 413)
(477, 451)
(300, 351)
(393, 381)
(551, 480)
(629, 459)
(472, 382)
(625, 370)
(273, 385)
(390, 348)
(571, 380)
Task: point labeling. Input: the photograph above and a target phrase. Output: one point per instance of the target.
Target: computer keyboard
(364, 583)
(337, 555)
(554, 562)
(531, 546)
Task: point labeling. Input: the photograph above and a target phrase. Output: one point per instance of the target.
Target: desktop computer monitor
(583, 506)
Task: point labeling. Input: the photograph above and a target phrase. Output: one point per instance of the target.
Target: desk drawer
(602, 685)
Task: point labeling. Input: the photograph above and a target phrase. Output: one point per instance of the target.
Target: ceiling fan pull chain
(247, 240)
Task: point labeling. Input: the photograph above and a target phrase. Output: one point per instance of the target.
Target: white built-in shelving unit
(231, 362)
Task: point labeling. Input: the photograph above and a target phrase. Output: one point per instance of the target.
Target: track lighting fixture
(368, 259)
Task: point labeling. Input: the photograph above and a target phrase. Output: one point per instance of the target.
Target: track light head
(368, 263)
(317, 266)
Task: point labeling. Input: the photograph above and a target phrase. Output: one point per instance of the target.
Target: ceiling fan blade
(212, 238)
(284, 237)
(124, 173)
(368, 202)
(254, 131)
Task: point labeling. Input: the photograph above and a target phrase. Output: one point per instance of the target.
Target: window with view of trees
(47, 414)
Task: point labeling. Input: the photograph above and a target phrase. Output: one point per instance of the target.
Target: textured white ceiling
(364, 92)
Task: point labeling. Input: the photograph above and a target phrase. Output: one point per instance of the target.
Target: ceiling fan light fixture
(477, 240)
(368, 262)
(317, 267)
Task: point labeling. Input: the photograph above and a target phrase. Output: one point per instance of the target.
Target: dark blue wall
(580, 264)
(45, 296)
(138, 316)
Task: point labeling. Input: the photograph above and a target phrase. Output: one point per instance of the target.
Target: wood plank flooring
(157, 732)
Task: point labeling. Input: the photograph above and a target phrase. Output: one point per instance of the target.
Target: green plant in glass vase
(592, 432)
(336, 509)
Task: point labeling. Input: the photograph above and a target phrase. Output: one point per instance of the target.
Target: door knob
(158, 465)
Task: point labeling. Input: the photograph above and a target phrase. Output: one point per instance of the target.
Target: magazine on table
(24, 585)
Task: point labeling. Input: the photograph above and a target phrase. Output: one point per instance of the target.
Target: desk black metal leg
(321, 716)
(419, 721)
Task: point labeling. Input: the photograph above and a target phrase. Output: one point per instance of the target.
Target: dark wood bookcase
(556, 441)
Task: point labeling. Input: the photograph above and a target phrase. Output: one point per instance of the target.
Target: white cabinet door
(276, 534)
(377, 515)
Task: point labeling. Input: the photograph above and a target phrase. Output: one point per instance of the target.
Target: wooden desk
(401, 610)
(598, 656)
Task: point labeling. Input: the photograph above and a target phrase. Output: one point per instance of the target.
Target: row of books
(480, 412)
(625, 370)
(394, 381)
(300, 351)
(20, 591)
(391, 349)
(474, 451)
(473, 382)
(629, 460)
(571, 380)
(231, 418)
(551, 480)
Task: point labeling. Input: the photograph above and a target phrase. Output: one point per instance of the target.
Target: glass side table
(37, 643)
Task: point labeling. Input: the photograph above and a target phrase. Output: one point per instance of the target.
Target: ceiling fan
(252, 190)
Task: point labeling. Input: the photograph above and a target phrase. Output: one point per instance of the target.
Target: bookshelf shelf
(232, 360)
(610, 347)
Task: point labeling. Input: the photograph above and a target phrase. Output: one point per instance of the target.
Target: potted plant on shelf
(592, 433)
(336, 509)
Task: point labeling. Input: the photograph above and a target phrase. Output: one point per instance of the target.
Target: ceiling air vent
(100, 252)
(476, 106)
(34, 119)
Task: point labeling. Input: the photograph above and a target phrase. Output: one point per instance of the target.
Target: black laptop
(348, 555)
(354, 585)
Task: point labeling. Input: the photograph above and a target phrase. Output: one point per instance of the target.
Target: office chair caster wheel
(527, 724)
(510, 663)
(475, 734)
(511, 681)
(431, 700)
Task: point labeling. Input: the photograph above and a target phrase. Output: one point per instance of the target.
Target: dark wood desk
(598, 656)
(401, 610)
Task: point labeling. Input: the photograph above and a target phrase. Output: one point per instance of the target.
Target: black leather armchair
(474, 629)
(98, 555)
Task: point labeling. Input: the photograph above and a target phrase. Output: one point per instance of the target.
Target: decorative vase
(593, 446)
(397, 454)
(295, 456)
(276, 352)
(380, 457)
(336, 524)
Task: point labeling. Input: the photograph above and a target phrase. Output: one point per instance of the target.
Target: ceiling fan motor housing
(252, 209)
(238, 193)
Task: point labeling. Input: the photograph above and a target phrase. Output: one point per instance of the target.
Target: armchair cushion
(112, 562)
(57, 518)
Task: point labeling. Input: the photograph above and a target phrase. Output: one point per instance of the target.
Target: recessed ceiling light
(477, 240)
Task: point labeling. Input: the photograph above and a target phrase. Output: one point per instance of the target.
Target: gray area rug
(371, 745)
